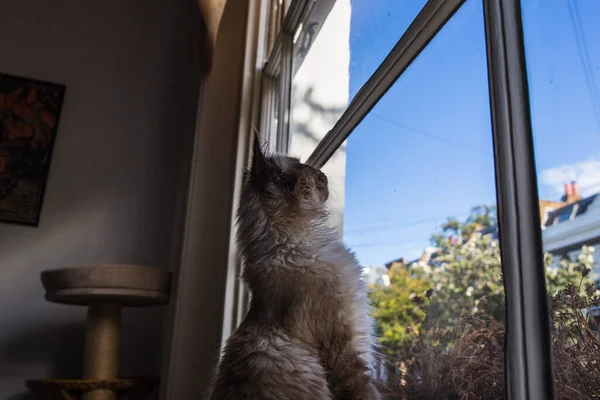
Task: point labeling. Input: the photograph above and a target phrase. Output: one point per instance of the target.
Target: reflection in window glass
(420, 214)
(563, 63)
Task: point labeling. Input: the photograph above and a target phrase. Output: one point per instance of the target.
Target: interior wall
(117, 183)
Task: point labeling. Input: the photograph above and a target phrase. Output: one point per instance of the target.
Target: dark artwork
(29, 114)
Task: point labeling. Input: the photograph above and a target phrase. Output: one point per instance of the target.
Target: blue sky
(425, 151)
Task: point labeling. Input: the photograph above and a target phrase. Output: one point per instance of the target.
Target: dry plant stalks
(575, 343)
(467, 361)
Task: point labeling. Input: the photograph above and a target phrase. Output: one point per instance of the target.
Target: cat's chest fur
(312, 292)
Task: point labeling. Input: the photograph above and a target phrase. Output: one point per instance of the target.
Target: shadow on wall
(55, 346)
(330, 115)
(60, 347)
(22, 396)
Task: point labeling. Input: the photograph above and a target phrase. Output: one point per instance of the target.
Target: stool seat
(125, 285)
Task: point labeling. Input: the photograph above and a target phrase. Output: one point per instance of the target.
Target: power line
(429, 135)
(584, 57)
(395, 219)
(389, 243)
(404, 220)
(392, 225)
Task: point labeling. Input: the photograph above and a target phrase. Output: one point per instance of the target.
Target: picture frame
(30, 112)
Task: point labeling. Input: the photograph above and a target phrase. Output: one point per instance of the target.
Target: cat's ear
(259, 161)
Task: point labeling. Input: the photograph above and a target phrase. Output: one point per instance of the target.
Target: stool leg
(102, 347)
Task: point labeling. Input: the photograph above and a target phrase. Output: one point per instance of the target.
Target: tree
(480, 217)
(395, 308)
(467, 280)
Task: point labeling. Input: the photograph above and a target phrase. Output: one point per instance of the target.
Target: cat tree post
(101, 354)
(104, 290)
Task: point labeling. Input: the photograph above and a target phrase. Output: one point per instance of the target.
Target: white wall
(320, 95)
(118, 173)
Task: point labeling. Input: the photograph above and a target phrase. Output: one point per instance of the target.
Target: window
(565, 214)
(420, 111)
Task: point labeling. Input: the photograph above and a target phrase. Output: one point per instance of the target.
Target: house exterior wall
(320, 95)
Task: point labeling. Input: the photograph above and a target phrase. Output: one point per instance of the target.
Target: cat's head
(284, 188)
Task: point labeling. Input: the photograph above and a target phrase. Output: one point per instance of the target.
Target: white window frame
(206, 296)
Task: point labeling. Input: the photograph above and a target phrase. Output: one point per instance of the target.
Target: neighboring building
(320, 94)
(567, 225)
(428, 258)
(573, 225)
(568, 228)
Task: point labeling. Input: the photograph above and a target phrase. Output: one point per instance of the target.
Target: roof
(400, 260)
(491, 230)
(570, 211)
(428, 256)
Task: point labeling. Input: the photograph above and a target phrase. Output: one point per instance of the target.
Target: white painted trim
(174, 317)
(249, 119)
(200, 283)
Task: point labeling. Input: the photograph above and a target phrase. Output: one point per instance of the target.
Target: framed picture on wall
(29, 115)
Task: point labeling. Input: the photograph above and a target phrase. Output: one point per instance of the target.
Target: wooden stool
(105, 290)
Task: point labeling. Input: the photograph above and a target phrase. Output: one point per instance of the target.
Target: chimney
(575, 189)
(571, 193)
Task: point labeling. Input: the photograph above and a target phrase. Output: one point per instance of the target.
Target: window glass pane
(419, 212)
(563, 63)
(350, 44)
(376, 27)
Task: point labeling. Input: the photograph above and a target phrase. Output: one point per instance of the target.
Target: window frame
(278, 71)
(528, 359)
(528, 354)
(207, 300)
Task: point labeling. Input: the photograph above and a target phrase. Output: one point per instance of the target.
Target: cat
(307, 334)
